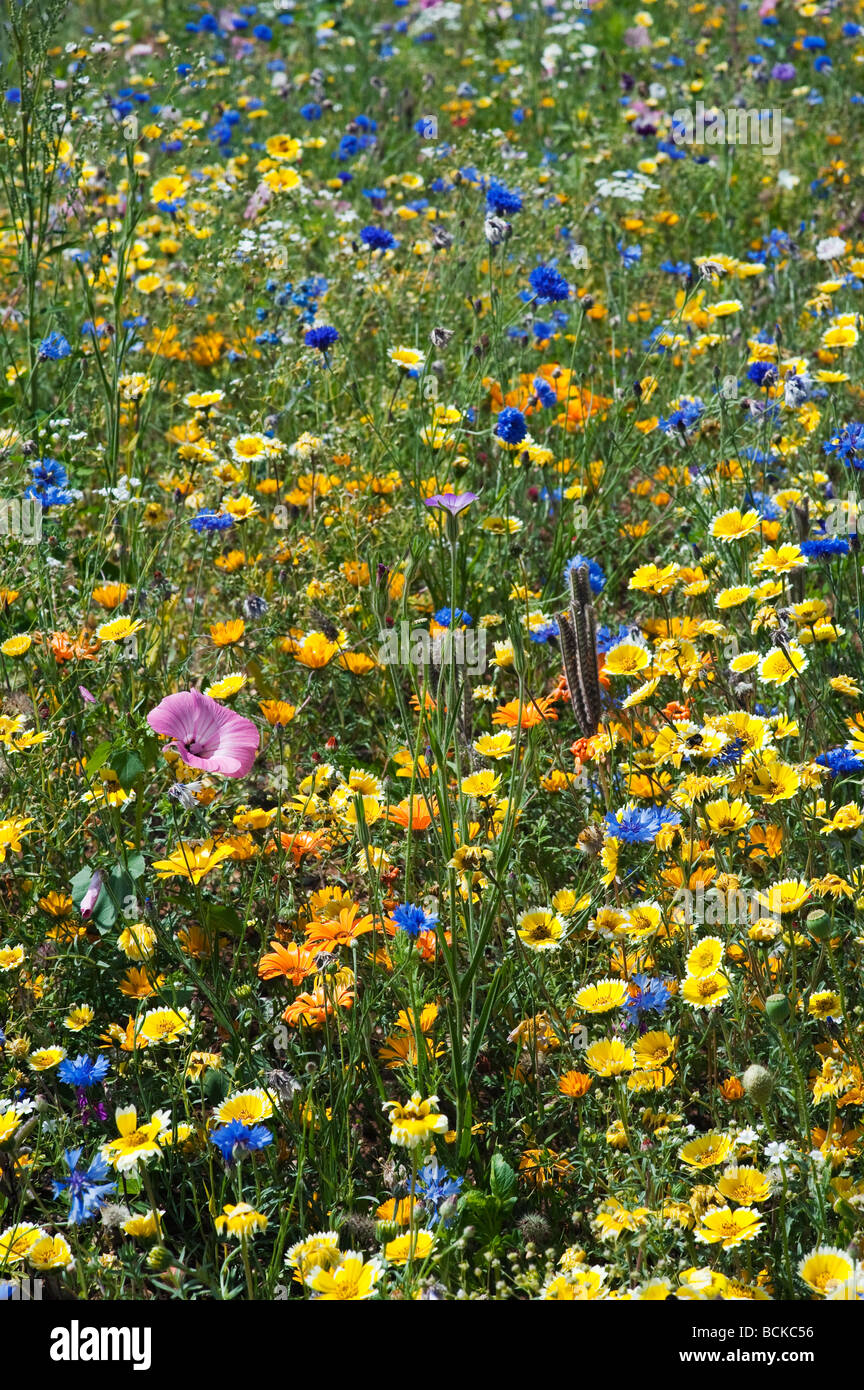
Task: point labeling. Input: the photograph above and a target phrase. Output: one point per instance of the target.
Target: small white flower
(778, 1152)
(830, 247)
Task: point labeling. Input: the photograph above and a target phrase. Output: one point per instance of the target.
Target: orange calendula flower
(226, 634)
(575, 1084)
(278, 713)
(340, 931)
(525, 715)
(292, 962)
(414, 812)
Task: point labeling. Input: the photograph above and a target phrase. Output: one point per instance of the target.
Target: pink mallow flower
(91, 896)
(205, 733)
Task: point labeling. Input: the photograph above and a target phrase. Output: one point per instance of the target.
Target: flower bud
(777, 1008)
(758, 1084)
(818, 923)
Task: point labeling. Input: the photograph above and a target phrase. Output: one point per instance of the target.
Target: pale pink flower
(91, 896)
(205, 733)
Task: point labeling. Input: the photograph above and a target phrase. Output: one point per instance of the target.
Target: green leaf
(98, 758)
(221, 917)
(128, 767)
(105, 911)
(503, 1178)
(80, 882)
(136, 864)
(216, 1086)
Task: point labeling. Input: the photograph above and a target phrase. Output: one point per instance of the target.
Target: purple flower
(206, 734)
(91, 896)
(783, 72)
(452, 502)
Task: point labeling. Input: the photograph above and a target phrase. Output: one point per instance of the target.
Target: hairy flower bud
(758, 1084)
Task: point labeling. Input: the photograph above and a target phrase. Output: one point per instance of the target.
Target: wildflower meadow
(431, 668)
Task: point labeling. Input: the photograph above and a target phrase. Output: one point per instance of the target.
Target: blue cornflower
(848, 444)
(86, 1187)
(544, 632)
(377, 238)
(50, 496)
(208, 520)
(764, 505)
(762, 373)
(630, 255)
(840, 761)
(445, 617)
(511, 426)
(434, 1187)
(675, 267)
(823, 544)
(54, 347)
(412, 919)
(596, 576)
(48, 472)
(502, 200)
(548, 284)
(83, 1071)
(321, 338)
(685, 417)
(606, 638)
(638, 825)
(234, 1139)
(728, 755)
(311, 111)
(650, 995)
(543, 391)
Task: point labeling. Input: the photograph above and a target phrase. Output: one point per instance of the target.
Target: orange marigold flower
(340, 931)
(293, 962)
(66, 648)
(312, 1009)
(731, 1088)
(414, 811)
(277, 712)
(306, 844)
(225, 634)
(575, 1084)
(527, 716)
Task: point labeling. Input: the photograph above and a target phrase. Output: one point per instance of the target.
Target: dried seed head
(440, 337)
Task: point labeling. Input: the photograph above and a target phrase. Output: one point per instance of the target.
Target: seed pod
(818, 923)
(579, 648)
(777, 1008)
